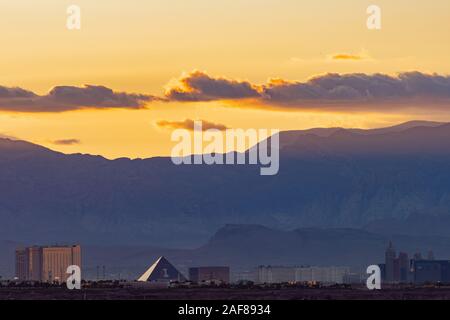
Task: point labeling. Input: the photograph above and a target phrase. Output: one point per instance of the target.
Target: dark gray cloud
(67, 142)
(330, 90)
(198, 86)
(360, 88)
(188, 124)
(66, 98)
(11, 93)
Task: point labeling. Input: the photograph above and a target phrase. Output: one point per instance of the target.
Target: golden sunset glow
(145, 47)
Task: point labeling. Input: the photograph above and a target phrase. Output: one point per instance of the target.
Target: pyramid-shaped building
(162, 271)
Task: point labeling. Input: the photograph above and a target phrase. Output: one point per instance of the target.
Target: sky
(154, 65)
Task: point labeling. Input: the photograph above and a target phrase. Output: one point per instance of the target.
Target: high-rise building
(396, 269)
(418, 256)
(404, 267)
(46, 264)
(22, 264)
(390, 258)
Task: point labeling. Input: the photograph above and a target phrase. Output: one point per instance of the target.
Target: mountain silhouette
(329, 178)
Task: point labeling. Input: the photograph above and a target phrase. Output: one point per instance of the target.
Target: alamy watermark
(374, 19)
(229, 147)
(374, 279)
(74, 280)
(74, 17)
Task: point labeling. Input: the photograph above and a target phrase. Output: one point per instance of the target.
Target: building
(403, 267)
(331, 275)
(46, 264)
(390, 257)
(269, 274)
(162, 271)
(326, 275)
(22, 265)
(431, 271)
(396, 269)
(383, 270)
(210, 274)
(419, 270)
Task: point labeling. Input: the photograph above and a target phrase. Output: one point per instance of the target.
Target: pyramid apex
(162, 271)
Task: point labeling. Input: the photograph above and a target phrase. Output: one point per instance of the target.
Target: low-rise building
(431, 271)
(327, 275)
(210, 274)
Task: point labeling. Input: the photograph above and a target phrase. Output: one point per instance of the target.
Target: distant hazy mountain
(399, 128)
(417, 224)
(349, 178)
(326, 132)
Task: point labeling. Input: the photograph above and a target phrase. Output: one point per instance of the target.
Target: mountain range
(390, 181)
(343, 179)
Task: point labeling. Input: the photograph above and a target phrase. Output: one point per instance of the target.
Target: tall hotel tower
(46, 264)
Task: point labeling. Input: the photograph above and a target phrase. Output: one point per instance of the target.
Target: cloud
(11, 93)
(188, 124)
(336, 57)
(357, 90)
(66, 98)
(360, 89)
(329, 91)
(198, 86)
(67, 142)
(344, 56)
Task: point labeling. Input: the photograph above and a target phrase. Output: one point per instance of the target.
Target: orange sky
(140, 46)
